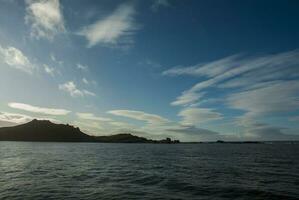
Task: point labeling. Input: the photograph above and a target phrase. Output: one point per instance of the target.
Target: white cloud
(269, 133)
(54, 59)
(84, 80)
(11, 119)
(82, 67)
(139, 115)
(49, 70)
(238, 72)
(195, 116)
(211, 69)
(110, 30)
(71, 88)
(186, 98)
(97, 125)
(193, 133)
(91, 116)
(45, 18)
(159, 127)
(121, 125)
(277, 71)
(86, 92)
(276, 98)
(16, 59)
(36, 109)
(90, 127)
(253, 130)
(14, 118)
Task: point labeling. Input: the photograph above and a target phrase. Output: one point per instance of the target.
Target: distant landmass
(46, 131)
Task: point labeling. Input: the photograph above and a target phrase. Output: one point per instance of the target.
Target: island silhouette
(46, 131)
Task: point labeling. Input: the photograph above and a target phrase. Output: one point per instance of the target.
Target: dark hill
(123, 138)
(44, 130)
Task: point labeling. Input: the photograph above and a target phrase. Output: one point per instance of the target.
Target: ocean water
(40, 170)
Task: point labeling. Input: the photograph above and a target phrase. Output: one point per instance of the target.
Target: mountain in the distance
(44, 130)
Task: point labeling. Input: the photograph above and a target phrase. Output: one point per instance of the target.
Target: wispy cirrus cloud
(274, 98)
(15, 58)
(117, 28)
(50, 70)
(12, 119)
(139, 115)
(82, 67)
(36, 109)
(193, 133)
(95, 124)
(256, 87)
(45, 18)
(211, 69)
(71, 88)
(91, 116)
(187, 97)
(55, 60)
(237, 69)
(89, 93)
(254, 130)
(195, 116)
(84, 80)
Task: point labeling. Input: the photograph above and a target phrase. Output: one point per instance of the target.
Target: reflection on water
(32, 170)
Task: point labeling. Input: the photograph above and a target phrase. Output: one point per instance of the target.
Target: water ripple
(148, 171)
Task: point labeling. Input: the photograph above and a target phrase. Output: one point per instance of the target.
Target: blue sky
(190, 70)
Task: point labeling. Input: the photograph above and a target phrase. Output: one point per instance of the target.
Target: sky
(188, 70)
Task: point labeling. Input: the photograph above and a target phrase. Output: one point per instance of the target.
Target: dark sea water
(33, 170)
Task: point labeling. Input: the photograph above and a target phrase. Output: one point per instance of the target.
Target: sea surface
(41, 170)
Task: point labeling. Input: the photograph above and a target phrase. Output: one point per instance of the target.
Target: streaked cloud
(193, 133)
(122, 125)
(262, 131)
(55, 60)
(191, 129)
(186, 98)
(239, 70)
(87, 92)
(117, 28)
(195, 116)
(97, 125)
(139, 115)
(45, 18)
(277, 97)
(91, 116)
(71, 88)
(90, 127)
(82, 67)
(36, 109)
(12, 119)
(49, 70)
(84, 80)
(15, 58)
(211, 69)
